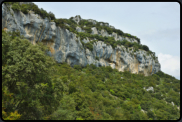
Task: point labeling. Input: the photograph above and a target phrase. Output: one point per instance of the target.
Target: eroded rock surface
(65, 46)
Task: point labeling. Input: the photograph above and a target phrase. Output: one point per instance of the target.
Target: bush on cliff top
(26, 7)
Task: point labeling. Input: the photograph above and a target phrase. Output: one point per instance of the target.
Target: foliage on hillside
(34, 87)
(89, 25)
(25, 8)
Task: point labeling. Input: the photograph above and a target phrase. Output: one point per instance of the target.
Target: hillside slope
(36, 87)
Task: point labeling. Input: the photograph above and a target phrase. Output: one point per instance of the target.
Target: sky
(157, 24)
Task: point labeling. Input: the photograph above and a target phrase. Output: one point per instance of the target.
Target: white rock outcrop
(65, 46)
(104, 33)
(172, 103)
(93, 21)
(78, 29)
(149, 89)
(77, 18)
(94, 30)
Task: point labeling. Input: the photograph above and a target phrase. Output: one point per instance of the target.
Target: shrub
(108, 69)
(89, 46)
(160, 74)
(79, 118)
(158, 96)
(144, 47)
(24, 8)
(7, 96)
(139, 107)
(77, 67)
(88, 29)
(85, 23)
(101, 87)
(169, 99)
(8, 3)
(97, 58)
(156, 77)
(109, 30)
(138, 40)
(43, 13)
(92, 66)
(112, 92)
(145, 105)
(16, 7)
(127, 44)
(150, 114)
(51, 15)
(128, 35)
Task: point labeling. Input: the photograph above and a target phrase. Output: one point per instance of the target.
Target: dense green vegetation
(112, 42)
(33, 7)
(35, 87)
(89, 25)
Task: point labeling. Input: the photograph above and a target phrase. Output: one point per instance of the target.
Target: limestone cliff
(65, 46)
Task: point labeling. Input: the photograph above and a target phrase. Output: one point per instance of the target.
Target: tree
(144, 47)
(160, 114)
(158, 96)
(43, 13)
(156, 77)
(129, 106)
(145, 105)
(101, 87)
(26, 74)
(66, 110)
(77, 67)
(16, 7)
(24, 8)
(51, 15)
(6, 104)
(35, 8)
(108, 69)
(150, 114)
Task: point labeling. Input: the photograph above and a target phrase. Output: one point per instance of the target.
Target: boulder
(104, 33)
(94, 30)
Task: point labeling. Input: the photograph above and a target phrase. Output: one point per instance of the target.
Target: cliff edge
(66, 46)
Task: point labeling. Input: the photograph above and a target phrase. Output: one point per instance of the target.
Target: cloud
(170, 64)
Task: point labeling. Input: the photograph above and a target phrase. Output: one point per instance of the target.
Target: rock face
(93, 21)
(94, 30)
(150, 89)
(65, 46)
(115, 35)
(78, 29)
(77, 18)
(104, 33)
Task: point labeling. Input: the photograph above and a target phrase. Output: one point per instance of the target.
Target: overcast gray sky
(157, 24)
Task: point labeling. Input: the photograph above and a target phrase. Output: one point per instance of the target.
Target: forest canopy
(34, 87)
